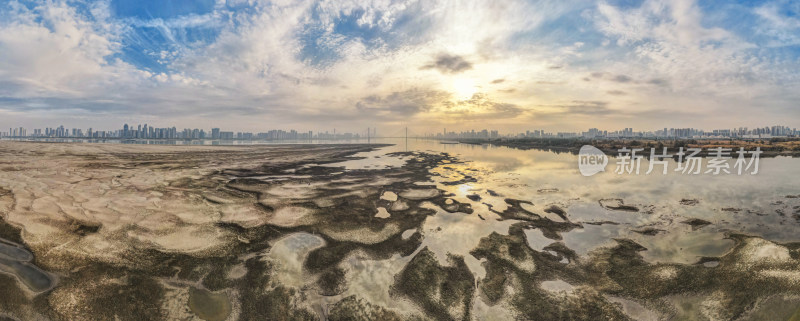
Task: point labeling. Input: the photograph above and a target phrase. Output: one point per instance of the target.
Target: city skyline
(511, 64)
(143, 131)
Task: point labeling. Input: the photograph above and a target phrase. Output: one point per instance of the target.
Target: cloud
(479, 107)
(403, 104)
(251, 64)
(668, 41)
(52, 49)
(608, 76)
(588, 113)
(779, 22)
(590, 108)
(622, 79)
(449, 64)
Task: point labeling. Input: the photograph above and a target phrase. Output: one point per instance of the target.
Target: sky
(427, 65)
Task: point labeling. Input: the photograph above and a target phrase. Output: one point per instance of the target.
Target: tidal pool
(289, 254)
(14, 252)
(208, 305)
(34, 278)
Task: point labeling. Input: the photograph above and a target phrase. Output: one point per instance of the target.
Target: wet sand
(310, 232)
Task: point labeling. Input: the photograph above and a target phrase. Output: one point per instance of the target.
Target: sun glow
(464, 88)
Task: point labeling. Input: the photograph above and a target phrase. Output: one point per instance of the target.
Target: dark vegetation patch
(696, 223)
(443, 292)
(353, 308)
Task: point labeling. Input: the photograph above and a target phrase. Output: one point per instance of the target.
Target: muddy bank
(180, 232)
(318, 232)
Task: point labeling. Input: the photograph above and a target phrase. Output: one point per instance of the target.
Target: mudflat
(292, 232)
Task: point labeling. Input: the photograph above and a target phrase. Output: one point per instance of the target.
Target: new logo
(591, 160)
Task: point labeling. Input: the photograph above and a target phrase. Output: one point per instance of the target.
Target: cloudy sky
(509, 65)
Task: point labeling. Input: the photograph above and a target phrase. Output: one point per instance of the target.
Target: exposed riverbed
(416, 230)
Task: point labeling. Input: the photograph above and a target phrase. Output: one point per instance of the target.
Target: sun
(464, 88)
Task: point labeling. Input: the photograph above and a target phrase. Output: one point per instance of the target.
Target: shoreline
(611, 147)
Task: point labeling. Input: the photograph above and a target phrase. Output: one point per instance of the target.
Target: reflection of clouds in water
(682, 245)
(593, 212)
(464, 189)
(457, 233)
(504, 164)
(590, 237)
(536, 240)
(519, 174)
(289, 252)
(372, 280)
(376, 159)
